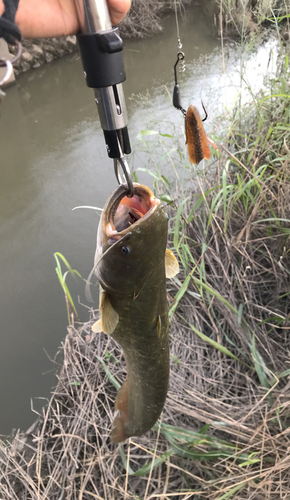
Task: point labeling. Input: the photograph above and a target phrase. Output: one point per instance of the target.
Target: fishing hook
(126, 173)
(204, 109)
(121, 161)
(176, 93)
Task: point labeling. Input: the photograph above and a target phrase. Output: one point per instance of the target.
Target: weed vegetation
(246, 17)
(243, 18)
(224, 431)
(144, 17)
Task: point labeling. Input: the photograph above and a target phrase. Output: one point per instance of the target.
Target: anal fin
(122, 398)
(118, 432)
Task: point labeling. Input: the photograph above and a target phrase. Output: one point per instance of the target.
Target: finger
(118, 9)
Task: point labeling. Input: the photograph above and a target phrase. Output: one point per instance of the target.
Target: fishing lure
(196, 138)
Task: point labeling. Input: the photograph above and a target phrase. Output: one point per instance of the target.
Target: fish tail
(118, 433)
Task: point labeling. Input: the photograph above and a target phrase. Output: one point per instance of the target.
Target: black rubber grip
(102, 58)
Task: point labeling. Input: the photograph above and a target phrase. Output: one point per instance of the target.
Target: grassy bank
(224, 431)
(244, 18)
(247, 17)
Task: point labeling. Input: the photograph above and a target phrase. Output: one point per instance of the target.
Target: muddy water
(53, 158)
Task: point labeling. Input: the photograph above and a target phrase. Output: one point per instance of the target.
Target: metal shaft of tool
(96, 15)
(109, 99)
(109, 95)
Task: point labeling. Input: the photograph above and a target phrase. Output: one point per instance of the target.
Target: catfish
(131, 265)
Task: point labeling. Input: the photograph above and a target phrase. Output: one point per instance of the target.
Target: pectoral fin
(97, 327)
(109, 317)
(171, 264)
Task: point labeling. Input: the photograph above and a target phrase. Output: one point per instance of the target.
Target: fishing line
(196, 138)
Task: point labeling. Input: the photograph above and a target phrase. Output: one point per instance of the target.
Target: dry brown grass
(245, 17)
(144, 17)
(69, 451)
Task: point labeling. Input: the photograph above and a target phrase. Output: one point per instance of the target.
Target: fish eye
(125, 250)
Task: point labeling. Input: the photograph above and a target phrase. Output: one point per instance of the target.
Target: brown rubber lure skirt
(196, 139)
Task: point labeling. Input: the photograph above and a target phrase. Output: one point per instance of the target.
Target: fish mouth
(126, 212)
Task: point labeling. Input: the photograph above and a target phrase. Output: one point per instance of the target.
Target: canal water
(53, 158)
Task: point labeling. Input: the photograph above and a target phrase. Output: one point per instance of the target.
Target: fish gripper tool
(101, 52)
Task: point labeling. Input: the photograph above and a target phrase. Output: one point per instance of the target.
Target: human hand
(49, 18)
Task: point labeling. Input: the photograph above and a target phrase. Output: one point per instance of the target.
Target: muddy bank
(39, 51)
(145, 19)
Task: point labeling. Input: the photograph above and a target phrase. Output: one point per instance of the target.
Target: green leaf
(148, 132)
(166, 181)
(260, 366)
(215, 344)
(149, 172)
(166, 135)
(177, 223)
(179, 295)
(62, 280)
(215, 293)
(166, 198)
(274, 219)
(279, 375)
(124, 460)
(233, 490)
(153, 464)
(250, 462)
(110, 376)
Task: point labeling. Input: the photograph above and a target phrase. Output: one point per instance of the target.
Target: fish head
(131, 240)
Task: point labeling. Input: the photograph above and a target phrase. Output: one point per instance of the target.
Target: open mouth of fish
(127, 211)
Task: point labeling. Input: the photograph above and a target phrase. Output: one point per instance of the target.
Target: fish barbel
(132, 264)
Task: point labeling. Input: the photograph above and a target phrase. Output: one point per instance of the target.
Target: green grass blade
(179, 295)
(232, 491)
(124, 460)
(215, 293)
(213, 343)
(110, 376)
(259, 364)
(153, 464)
(176, 239)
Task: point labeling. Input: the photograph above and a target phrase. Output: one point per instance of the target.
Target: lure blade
(196, 138)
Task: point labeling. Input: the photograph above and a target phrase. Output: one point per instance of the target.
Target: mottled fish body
(132, 264)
